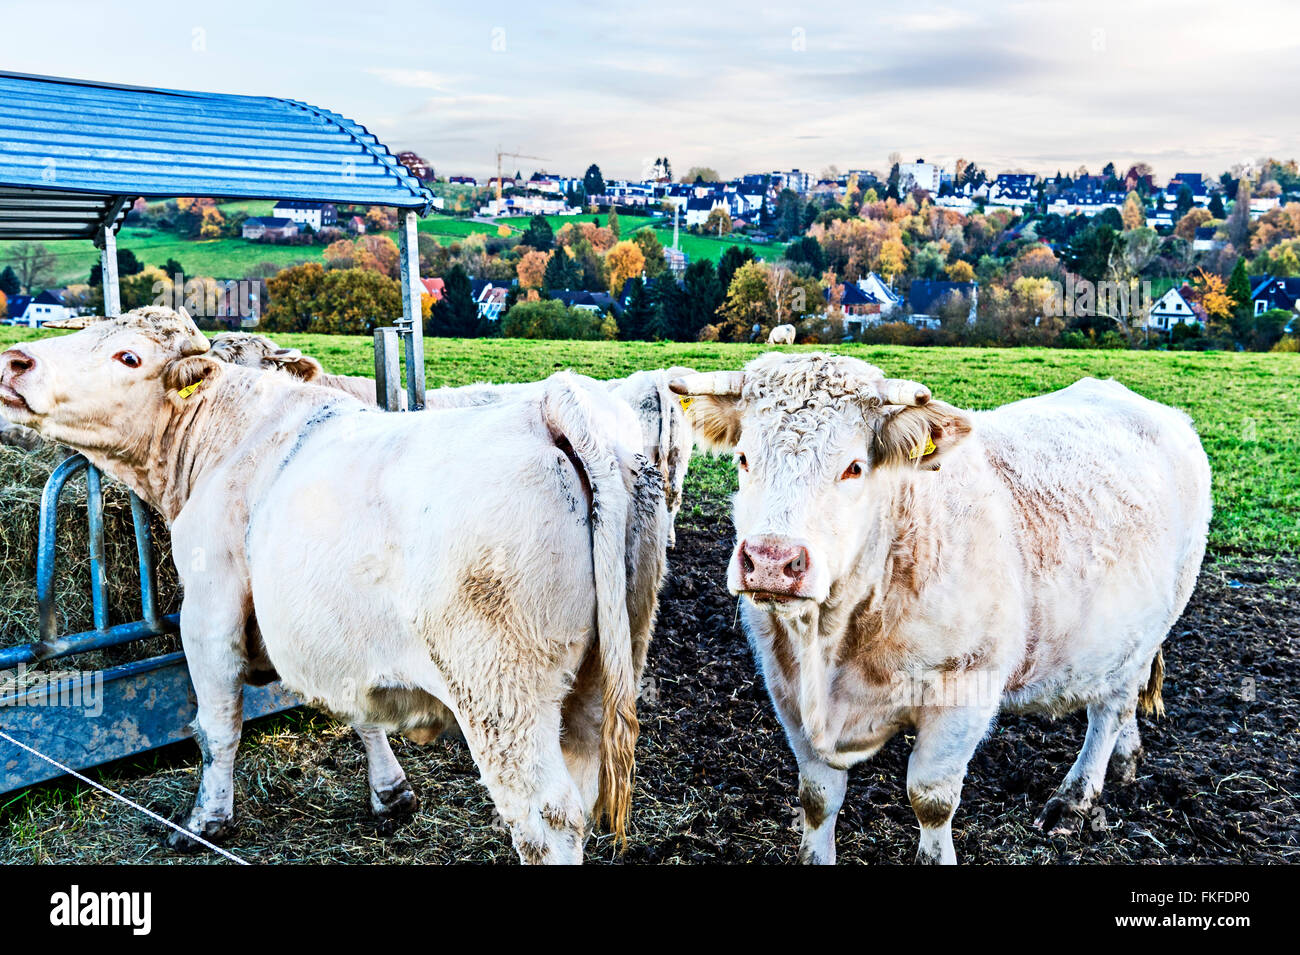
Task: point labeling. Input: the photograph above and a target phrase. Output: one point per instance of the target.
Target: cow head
(105, 387)
(258, 351)
(822, 443)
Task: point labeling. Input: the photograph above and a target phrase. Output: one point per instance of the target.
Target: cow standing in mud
(499, 564)
(910, 566)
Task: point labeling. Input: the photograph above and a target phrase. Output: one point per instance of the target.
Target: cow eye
(742, 462)
(854, 470)
(128, 358)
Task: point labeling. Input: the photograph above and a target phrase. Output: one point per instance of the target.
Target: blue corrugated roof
(86, 141)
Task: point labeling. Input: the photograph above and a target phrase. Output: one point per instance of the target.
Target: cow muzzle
(14, 364)
(776, 569)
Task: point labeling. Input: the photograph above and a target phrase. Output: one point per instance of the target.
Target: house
(794, 180)
(596, 302)
(926, 298)
(357, 225)
(35, 310)
(677, 260)
(1160, 219)
(1259, 205)
(1195, 183)
(1169, 310)
(918, 175)
(434, 288)
(418, 166)
(880, 292)
(1270, 292)
(269, 228)
(698, 209)
(318, 215)
(1013, 189)
(490, 297)
(462, 181)
(1085, 201)
(1205, 240)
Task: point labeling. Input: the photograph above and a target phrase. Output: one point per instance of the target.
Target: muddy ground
(717, 783)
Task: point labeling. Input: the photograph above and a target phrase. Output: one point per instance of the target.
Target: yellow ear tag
(918, 453)
(686, 401)
(190, 389)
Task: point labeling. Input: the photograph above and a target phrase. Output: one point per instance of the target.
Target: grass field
(696, 246)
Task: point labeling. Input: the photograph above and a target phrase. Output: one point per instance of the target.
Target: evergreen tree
(592, 181)
(668, 305)
(9, 283)
(1238, 289)
(704, 294)
(561, 273)
(730, 263)
(540, 235)
(638, 313)
(1216, 207)
(455, 315)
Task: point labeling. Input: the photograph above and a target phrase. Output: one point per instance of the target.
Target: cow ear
(920, 436)
(295, 363)
(715, 420)
(184, 376)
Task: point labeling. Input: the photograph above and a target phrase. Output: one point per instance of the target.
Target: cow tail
(570, 415)
(1149, 698)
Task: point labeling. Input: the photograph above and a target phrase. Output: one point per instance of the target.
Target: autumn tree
(652, 249)
(624, 261)
(750, 302)
(1133, 215)
(718, 222)
(960, 271)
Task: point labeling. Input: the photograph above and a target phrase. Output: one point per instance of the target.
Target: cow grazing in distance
(781, 335)
(499, 563)
(908, 566)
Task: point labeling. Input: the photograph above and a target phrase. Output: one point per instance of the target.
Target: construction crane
(500, 153)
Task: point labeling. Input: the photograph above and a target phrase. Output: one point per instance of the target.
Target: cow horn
(709, 383)
(899, 391)
(196, 342)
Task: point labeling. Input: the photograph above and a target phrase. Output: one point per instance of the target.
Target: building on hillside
(1195, 183)
(318, 215)
(357, 225)
(527, 206)
(1013, 190)
(880, 292)
(698, 210)
(1160, 219)
(1086, 202)
(34, 311)
(1171, 309)
(918, 175)
(269, 228)
(418, 165)
(435, 288)
(677, 260)
(794, 180)
(597, 302)
(1269, 292)
(1207, 240)
(462, 181)
(926, 298)
(1259, 205)
(489, 297)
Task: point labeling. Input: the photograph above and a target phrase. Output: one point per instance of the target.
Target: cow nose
(14, 362)
(773, 565)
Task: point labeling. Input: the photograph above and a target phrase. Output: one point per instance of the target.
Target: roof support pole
(108, 273)
(412, 323)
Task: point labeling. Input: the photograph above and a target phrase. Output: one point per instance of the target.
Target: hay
(22, 478)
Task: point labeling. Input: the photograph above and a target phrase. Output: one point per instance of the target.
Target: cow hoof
(1058, 816)
(214, 830)
(396, 803)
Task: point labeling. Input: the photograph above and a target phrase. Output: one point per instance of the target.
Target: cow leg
(821, 793)
(580, 741)
(1082, 785)
(216, 664)
(1128, 749)
(946, 738)
(391, 795)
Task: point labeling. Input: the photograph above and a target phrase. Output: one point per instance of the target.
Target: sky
(746, 87)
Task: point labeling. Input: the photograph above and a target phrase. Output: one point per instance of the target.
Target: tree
(550, 318)
(561, 272)
(704, 295)
(623, 262)
(718, 222)
(1238, 224)
(455, 315)
(1088, 254)
(701, 174)
(669, 303)
(731, 260)
(750, 302)
(1133, 215)
(9, 282)
(960, 271)
(612, 223)
(1216, 207)
(638, 312)
(1238, 292)
(593, 183)
(33, 263)
(652, 250)
(540, 235)
(806, 251)
(531, 269)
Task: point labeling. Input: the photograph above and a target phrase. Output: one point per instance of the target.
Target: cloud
(412, 79)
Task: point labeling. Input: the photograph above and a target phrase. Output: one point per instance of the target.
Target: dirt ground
(716, 781)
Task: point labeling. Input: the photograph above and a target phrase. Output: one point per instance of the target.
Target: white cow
(499, 563)
(1038, 570)
(666, 432)
(781, 335)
